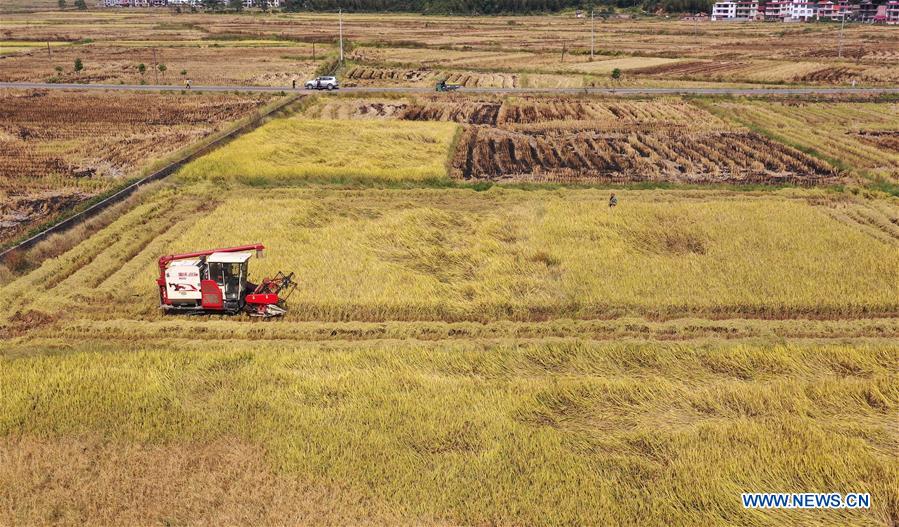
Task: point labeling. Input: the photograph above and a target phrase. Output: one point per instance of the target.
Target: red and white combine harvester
(215, 281)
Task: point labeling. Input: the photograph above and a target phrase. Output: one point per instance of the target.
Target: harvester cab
(216, 281)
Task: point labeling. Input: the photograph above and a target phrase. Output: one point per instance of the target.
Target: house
(736, 10)
(803, 11)
(892, 12)
(777, 10)
(836, 12)
(865, 11)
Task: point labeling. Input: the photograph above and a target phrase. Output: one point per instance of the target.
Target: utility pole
(340, 22)
(49, 56)
(592, 33)
(842, 24)
(156, 67)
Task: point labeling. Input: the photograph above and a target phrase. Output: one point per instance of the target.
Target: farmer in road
(294, 84)
(613, 201)
(187, 84)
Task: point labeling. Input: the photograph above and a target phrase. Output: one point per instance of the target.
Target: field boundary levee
(187, 155)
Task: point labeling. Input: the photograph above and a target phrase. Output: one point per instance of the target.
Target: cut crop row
(591, 155)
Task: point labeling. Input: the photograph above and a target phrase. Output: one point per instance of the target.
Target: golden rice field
(297, 149)
(504, 254)
(190, 431)
(460, 354)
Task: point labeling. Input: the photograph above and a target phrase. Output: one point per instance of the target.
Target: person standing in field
(294, 84)
(613, 200)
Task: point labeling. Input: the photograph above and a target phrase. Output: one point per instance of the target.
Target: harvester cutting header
(215, 281)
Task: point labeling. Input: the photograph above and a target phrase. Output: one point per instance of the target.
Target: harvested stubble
(884, 139)
(598, 140)
(449, 108)
(773, 71)
(505, 433)
(206, 63)
(35, 325)
(841, 132)
(60, 149)
(618, 157)
(364, 75)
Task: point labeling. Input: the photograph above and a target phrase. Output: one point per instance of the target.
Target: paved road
(551, 91)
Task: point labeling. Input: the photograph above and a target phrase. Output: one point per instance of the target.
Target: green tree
(57, 69)
(616, 74)
(78, 65)
(162, 68)
(236, 5)
(62, 4)
(183, 73)
(141, 68)
(81, 5)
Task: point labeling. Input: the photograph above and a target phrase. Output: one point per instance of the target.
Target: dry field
(477, 51)
(60, 149)
(537, 34)
(203, 63)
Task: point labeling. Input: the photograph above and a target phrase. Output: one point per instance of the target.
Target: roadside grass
(508, 433)
(295, 149)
